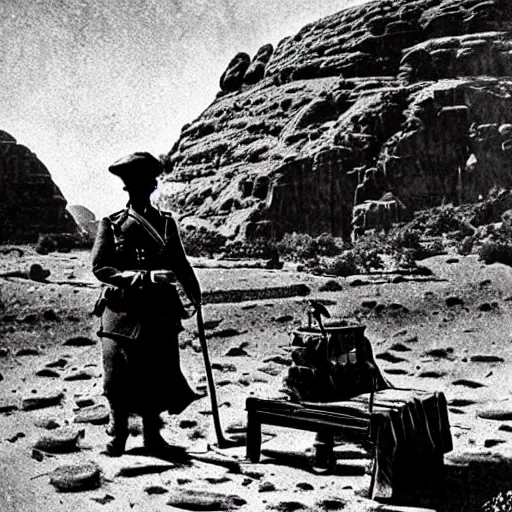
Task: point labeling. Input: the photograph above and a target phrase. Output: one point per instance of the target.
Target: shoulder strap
(147, 226)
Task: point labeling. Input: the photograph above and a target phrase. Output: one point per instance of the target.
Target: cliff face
(404, 99)
(30, 202)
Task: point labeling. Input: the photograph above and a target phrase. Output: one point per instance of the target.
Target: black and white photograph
(256, 255)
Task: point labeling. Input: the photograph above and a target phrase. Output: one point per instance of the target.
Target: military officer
(138, 254)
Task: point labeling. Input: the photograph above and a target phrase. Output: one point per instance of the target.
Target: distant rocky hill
(395, 105)
(30, 202)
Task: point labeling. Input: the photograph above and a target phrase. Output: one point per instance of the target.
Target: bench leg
(253, 437)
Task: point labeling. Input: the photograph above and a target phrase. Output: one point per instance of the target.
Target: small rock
(50, 316)
(396, 371)
(59, 363)
(480, 358)
(188, 424)
(411, 339)
(144, 469)
(283, 319)
(40, 402)
(452, 260)
(266, 487)
(96, 415)
(505, 428)
(292, 506)
(85, 374)
(247, 481)
(461, 402)
(27, 351)
(47, 423)
(485, 307)
(76, 477)
(454, 301)
(225, 333)
(369, 304)
(357, 282)
(489, 443)
(15, 437)
(38, 455)
(224, 367)
(495, 414)
(79, 341)
(399, 347)
(439, 353)
(190, 499)
(431, 374)
(398, 279)
(7, 406)
(305, 486)
(237, 351)
(212, 323)
(37, 273)
(456, 410)
(215, 480)
(485, 282)
(48, 372)
(389, 357)
(332, 504)
(4, 351)
(286, 361)
(331, 286)
(155, 489)
(468, 383)
(270, 369)
(64, 440)
(103, 500)
(400, 333)
(84, 402)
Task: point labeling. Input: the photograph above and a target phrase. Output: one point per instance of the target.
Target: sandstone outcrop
(30, 202)
(85, 219)
(406, 99)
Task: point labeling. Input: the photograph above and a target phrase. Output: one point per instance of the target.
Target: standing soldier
(138, 253)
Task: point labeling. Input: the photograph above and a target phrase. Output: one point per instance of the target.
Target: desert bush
(343, 265)
(500, 503)
(257, 248)
(302, 247)
(202, 241)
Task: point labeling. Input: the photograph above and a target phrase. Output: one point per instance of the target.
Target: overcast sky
(84, 82)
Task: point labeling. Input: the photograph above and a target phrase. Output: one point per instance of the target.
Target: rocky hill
(30, 202)
(369, 114)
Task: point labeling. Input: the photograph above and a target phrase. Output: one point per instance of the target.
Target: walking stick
(222, 441)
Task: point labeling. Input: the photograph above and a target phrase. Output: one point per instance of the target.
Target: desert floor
(412, 317)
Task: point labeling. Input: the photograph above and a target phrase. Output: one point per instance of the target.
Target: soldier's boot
(118, 430)
(151, 425)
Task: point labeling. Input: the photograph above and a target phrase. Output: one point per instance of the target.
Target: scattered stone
(390, 357)
(485, 307)
(370, 304)
(431, 374)
(454, 301)
(103, 500)
(38, 455)
(251, 473)
(330, 286)
(439, 353)
(40, 402)
(397, 334)
(237, 351)
(505, 428)
(499, 414)
(76, 477)
(357, 282)
(37, 273)
(270, 369)
(156, 489)
(266, 487)
(79, 341)
(489, 443)
(485, 282)
(331, 504)
(64, 440)
(47, 423)
(456, 410)
(59, 363)
(400, 347)
(283, 319)
(305, 486)
(47, 372)
(468, 383)
(480, 358)
(4, 351)
(50, 316)
(286, 361)
(27, 351)
(190, 499)
(396, 371)
(84, 374)
(452, 260)
(96, 415)
(291, 506)
(183, 481)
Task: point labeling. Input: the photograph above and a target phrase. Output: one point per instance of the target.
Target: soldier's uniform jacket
(123, 255)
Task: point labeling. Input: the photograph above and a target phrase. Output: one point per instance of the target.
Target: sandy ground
(413, 312)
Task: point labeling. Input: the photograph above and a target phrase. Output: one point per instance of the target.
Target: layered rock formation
(409, 99)
(85, 219)
(30, 202)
